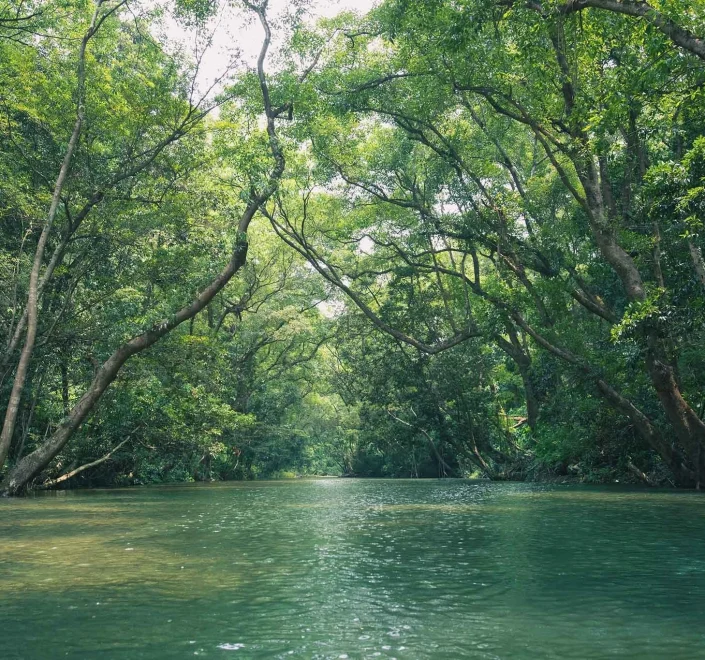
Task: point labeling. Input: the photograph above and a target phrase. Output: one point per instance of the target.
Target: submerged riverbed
(353, 569)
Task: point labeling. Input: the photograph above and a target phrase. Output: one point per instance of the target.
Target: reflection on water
(357, 569)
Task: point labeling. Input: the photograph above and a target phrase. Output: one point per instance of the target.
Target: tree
(549, 96)
(34, 462)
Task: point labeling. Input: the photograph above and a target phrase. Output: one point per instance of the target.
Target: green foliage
(440, 286)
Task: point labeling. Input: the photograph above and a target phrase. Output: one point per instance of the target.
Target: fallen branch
(639, 474)
(65, 477)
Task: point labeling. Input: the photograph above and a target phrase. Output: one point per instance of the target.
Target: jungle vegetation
(443, 238)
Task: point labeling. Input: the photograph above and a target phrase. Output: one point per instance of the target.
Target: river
(338, 568)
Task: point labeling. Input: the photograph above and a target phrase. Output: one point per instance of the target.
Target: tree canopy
(440, 239)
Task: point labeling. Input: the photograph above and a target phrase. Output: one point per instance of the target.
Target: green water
(353, 569)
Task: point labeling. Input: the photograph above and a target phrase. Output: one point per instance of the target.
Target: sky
(231, 37)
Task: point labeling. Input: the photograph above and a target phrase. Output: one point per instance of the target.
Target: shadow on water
(354, 568)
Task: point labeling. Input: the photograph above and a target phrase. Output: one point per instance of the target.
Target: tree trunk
(522, 359)
(688, 427)
(56, 259)
(698, 263)
(30, 466)
(33, 294)
(64, 386)
(532, 403)
(671, 457)
(646, 429)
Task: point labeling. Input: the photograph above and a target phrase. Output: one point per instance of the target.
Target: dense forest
(443, 238)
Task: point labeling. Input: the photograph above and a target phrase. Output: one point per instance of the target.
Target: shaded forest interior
(442, 238)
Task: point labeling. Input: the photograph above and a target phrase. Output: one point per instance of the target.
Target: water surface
(341, 568)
